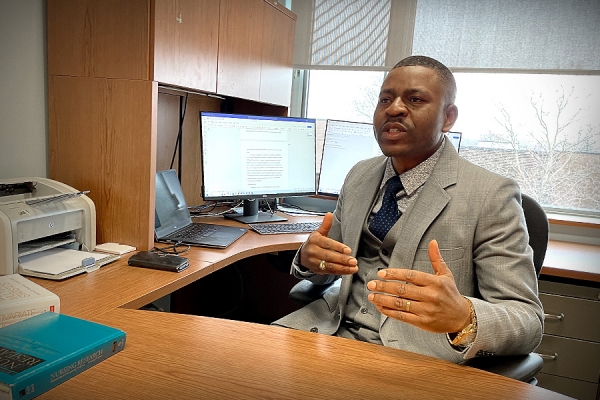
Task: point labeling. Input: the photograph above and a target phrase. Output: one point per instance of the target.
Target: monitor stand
(251, 214)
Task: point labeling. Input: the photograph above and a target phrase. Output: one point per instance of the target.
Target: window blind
(351, 34)
(470, 34)
(510, 34)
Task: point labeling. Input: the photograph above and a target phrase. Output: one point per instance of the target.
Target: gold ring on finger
(407, 305)
(322, 265)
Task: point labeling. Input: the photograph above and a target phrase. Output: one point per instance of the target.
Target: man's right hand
(335, 255)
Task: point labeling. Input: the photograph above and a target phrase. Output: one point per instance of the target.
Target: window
(341, 95)
(540, 129)
(526, 92)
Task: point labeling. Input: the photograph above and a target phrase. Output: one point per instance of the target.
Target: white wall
(23, 109)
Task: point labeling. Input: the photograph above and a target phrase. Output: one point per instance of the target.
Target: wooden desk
(175, 356)
(119, 285)
(572, 260)
(171, 355)
(252, 243)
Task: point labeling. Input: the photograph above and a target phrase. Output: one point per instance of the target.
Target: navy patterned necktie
(388, 214)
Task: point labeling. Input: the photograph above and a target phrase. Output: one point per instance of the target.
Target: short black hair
(443, 72)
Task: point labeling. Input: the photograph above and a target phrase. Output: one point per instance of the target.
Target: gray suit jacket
(476, 217)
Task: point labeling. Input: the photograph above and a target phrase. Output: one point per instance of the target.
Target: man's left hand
(430, 302)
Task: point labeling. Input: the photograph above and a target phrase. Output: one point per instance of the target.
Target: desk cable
(171, 249)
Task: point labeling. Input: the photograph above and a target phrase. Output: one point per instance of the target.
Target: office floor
(253, 290)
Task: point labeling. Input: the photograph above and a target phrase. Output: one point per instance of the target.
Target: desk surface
(119, 285)
(175, 356)
(178, 356)
(572, 260)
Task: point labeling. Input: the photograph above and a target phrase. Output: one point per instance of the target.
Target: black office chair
(523, 367)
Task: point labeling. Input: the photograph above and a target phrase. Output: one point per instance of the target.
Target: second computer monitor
(455, 138)
(347, 143)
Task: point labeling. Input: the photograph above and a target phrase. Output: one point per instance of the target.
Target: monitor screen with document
(248, 157)
(346, 143)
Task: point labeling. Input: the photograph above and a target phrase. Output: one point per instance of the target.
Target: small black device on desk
(165, 262)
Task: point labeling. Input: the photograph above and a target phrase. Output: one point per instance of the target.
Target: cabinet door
(570, 317)
(100, 39)
(569, 387)
(240, 48)
(278, 55)
(102, 138)
(186, 43)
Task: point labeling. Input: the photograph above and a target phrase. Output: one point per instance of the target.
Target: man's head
(414, 110)
(443, 72)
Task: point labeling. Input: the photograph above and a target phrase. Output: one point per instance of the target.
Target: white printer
(37, 214)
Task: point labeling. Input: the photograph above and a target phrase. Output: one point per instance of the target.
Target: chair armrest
(522, 368)
(305, 291)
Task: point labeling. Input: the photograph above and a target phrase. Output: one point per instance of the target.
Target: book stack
(41, 352)
(21, 298)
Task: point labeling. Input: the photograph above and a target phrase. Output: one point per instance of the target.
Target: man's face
(412, 115)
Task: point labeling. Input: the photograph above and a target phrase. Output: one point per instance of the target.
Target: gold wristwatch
(467, 335)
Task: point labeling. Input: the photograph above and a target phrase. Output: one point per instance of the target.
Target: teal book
(41, 352)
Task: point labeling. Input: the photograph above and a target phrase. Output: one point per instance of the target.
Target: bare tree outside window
(552, 159)
(365, 104)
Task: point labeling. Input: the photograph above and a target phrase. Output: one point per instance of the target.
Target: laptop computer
(173, 223)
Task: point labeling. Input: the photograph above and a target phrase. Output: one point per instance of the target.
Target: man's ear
(450, 116)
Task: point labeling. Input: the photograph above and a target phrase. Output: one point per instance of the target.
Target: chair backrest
(522, 367)
(537, 226)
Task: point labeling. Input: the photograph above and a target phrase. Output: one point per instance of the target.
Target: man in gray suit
(436, 262)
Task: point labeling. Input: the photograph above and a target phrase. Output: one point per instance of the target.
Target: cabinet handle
(554, 317)
(548, 356)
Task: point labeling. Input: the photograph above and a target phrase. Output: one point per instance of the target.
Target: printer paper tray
(34, 246)
(61, 263)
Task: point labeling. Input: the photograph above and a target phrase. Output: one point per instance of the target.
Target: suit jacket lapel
(360, 203)
(421, 214)
(359, 206)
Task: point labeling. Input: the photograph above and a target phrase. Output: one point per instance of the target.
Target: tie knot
(394, 185)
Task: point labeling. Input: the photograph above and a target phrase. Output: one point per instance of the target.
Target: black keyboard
(289, 227)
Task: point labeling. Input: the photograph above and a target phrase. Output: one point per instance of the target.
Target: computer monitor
(250, 157)
(455, 138)
(347, 143)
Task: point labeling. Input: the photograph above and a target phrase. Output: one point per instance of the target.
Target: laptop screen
(171, 209)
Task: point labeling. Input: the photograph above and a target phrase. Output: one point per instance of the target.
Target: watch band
(467, 335)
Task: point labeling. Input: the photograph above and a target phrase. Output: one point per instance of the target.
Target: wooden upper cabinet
(107, 39)
(237, 48)
(186, 43)
(256, 45)
(277, 55)
(240, 48)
